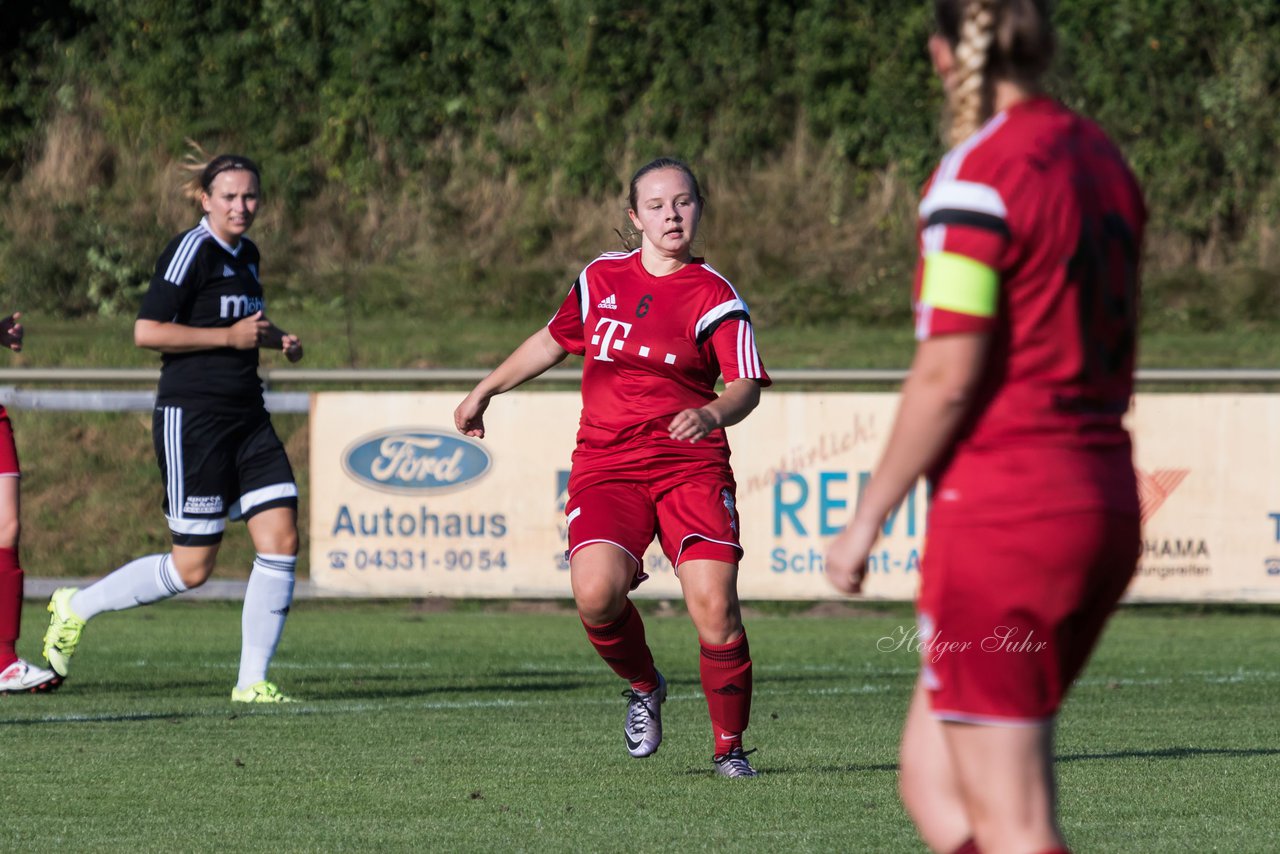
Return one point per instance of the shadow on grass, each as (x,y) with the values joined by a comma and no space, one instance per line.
(768,770)
(363,689)
(1171,753)
(360,690)
(1160,753)
(116,717)
(603,676)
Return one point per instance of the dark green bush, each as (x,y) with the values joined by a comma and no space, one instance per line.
(347,103)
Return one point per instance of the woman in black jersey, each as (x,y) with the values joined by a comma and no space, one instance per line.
(218,453)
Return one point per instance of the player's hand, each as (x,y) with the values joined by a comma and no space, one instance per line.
(469,416)
(292,347)
(11,332)
(249,333)
(846,563)
(690,425)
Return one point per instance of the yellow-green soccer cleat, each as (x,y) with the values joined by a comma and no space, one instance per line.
(259,692)
(63,635)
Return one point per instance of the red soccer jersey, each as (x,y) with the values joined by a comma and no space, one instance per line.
(652,346)
(1041,196)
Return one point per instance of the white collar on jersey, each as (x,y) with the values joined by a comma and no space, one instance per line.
(235,252)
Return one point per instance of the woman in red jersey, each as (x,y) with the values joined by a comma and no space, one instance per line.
(656,327)
(17,676)
(1026,303)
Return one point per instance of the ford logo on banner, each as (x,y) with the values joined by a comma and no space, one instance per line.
(415,460)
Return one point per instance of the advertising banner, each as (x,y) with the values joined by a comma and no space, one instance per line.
(403,505)
(1209,481)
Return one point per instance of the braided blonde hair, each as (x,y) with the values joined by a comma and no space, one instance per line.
(991,39)
(970,99)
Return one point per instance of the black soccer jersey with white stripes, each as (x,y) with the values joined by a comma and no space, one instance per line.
(201,282)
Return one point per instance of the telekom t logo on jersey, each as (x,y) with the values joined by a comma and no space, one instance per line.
(607,340)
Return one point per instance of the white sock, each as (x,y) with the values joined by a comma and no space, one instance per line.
(266,604)
(140,582)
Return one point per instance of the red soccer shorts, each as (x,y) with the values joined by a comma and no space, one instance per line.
(8,448)
(1008,614)
(693,519)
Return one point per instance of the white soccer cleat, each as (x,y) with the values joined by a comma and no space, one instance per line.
(643,729)
(734,764)
(24,678)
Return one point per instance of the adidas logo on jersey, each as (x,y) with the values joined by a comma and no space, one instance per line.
(611,301)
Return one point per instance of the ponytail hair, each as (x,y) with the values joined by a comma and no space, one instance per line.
(991,39)
(201,169)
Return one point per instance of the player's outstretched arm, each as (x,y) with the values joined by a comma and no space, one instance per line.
(937,394)
(245,334)
(538,353)
(11,332)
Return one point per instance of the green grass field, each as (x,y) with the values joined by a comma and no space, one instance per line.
(497,728)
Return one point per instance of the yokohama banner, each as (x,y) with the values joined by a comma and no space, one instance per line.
(402,505)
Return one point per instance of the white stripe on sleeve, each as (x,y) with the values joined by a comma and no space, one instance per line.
(716,313)
(748,356)
(180,264)
(963,196)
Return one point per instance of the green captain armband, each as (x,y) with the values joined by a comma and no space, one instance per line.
(955,283)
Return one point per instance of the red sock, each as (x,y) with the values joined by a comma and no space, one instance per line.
(726,680)
(622,646)
(10,605)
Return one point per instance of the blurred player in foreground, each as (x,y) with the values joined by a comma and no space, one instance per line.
(657,327)
(1026,302)
(16,675)
(218,453)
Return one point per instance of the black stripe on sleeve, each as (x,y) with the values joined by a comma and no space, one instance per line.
(576,290)
(711,328)
(969,219)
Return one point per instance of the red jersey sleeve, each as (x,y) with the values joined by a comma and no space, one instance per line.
(968,217)
(727,332)
(566,325)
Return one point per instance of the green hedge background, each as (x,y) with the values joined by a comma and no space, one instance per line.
(419,152)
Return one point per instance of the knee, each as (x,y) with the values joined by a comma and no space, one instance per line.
(10,530)
(717,617)
(599,604)
(280,541)
(286,542)
(719,632)
(913,780)
(194,570)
